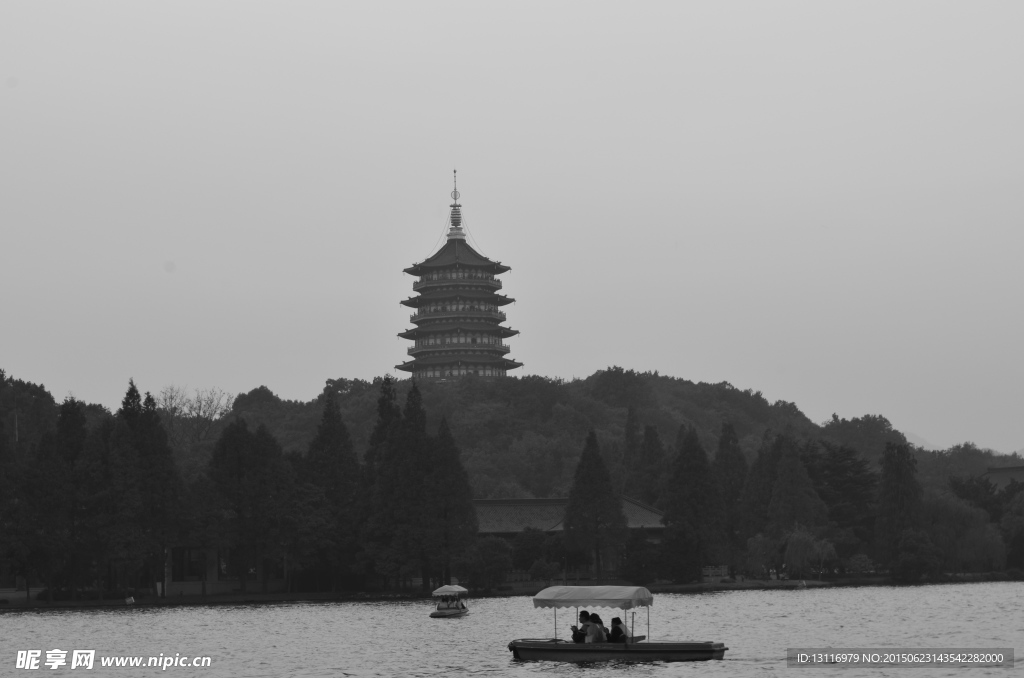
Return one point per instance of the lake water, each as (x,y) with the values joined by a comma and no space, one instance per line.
(398,639)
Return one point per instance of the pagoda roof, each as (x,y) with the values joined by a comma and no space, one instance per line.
(464,326)
(457,252)
(470,359)
(440,295)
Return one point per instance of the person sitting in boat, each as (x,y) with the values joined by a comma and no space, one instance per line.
(618,633)
(579,633)
(596,632)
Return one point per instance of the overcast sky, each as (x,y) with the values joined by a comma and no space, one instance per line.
(821,201)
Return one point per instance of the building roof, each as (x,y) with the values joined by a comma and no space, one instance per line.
(457,252)
(459,358)
(511,516)
(489,328)
(428,296)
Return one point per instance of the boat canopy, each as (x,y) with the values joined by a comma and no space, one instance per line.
(622,597)
(450,590)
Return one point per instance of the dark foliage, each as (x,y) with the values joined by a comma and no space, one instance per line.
(594,522)
(694,524)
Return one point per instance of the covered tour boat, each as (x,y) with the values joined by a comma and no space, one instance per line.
(450,602)
(635,649)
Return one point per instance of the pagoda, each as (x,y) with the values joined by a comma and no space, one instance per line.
(458,322)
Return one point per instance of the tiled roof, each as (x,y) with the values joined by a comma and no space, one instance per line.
(510,516)
(457,251)
(464,326)
(427,296)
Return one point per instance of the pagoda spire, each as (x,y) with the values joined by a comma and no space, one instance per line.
(456,232)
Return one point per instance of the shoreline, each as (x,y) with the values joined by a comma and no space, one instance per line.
(12,604)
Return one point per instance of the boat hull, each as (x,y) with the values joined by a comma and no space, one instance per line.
(565,651)
(441,614)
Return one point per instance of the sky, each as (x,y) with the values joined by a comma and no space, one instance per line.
(819,201)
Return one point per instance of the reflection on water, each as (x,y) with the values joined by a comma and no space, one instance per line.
(398,638)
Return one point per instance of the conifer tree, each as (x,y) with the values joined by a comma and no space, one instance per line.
(594,521)
(845,482)
(160,483)
(450,503)
(693,512)
(794,500)
(649,462)
(249,471)
(388,416)
(400,524)
(332,467)
(630,452)
(730,470)
(899,500)
(757,490)
(375,537)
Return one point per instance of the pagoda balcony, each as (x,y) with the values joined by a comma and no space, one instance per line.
(434,315)
(413,350)
(489,281)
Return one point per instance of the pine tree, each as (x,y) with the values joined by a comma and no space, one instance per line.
(331,466)
(594,521)
(630,453)
(899,500)
(757,490)
(730,469)
(794,501)
(449,504)
(400,525)
(160,483)
(374,535)
(848,486)
(250,473)
(693,512)
(650,461)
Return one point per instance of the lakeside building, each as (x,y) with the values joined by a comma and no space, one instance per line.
(458,322)
(507,518)
(212,571)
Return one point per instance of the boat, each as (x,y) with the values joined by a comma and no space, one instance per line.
(636,649)
(451,602)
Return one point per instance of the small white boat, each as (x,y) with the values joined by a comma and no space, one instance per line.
(632,650)
(450,602)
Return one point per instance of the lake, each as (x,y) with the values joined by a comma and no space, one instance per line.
(398,638)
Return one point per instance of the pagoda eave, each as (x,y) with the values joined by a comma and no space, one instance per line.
(427,330)
(440,295)
(460,359)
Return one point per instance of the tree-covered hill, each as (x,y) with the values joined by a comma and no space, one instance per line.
(522,437)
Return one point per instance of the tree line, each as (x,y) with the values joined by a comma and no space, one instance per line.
(94,501)
(97,503)
(810,506)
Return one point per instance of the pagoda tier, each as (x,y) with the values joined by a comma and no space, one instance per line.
(458,325)
(435,296)
(431,329)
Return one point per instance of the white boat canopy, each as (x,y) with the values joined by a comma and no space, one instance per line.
(450,590)
(621,597)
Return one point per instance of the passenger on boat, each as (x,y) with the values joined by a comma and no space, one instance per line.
(618,634)
(579,633)
(596,632)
